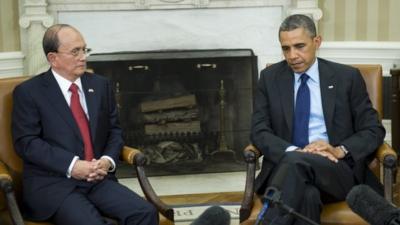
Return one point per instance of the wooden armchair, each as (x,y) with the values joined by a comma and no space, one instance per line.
(11,166)
(336,213)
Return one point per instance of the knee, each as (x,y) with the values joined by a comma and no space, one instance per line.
(146,215)
(297,160)
(312,194)
(150,210)
(291,157)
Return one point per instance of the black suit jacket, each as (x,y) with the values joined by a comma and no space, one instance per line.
(47,137)
(349,117)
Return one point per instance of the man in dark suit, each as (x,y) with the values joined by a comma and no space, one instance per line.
(66,130)
(314,118)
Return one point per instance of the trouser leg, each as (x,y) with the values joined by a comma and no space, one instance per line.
(117,201)
(304,169)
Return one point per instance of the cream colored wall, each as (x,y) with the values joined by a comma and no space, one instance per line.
(360,20)
(9,28)
(343,20)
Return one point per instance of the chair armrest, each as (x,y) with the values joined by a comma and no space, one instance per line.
(6,185)
(251,154)
(388,158)
(4,174)
(254,150)
(136,158)
(128,154)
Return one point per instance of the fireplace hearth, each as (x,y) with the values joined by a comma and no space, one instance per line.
(189,111)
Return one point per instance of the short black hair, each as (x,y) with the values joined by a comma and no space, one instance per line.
(299,21)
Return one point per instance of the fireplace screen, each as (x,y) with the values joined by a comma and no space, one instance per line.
(188,111)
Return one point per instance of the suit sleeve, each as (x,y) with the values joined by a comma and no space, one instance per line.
(368,131)
(262,133)
(114,137)
(27,131)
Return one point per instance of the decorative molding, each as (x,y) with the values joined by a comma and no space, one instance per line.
(34,21)
(385,53)
(11,64)
(104,5)
(37,15)
(35,11)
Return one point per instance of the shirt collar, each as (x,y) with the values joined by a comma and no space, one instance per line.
(64,83)
(312,72)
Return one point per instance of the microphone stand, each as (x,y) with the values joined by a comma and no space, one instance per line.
(276,200)
(261,215)
(271,195)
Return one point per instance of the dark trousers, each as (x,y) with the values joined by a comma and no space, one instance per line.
(311,180)
(88,202)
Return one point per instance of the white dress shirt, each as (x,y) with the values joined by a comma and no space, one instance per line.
(316,126)
(64,85)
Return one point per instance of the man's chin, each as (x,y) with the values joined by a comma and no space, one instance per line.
(80,71)
(298,68)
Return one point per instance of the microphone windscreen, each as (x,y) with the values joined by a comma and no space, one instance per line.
(370,205)
(214,215)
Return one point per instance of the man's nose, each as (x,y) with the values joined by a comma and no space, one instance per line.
(292,54)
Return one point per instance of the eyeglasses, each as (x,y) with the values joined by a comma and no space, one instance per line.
(77,51)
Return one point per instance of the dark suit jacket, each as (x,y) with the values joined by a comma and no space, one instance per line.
(47,137)
(349,117)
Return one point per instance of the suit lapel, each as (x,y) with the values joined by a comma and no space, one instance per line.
(91,95)
(328,88)
(53,93)
(286,89)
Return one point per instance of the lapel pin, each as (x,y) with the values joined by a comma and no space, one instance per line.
(330,86)
(90,90)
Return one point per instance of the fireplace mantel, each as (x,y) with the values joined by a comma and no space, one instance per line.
(259,15)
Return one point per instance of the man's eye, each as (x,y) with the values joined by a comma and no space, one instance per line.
(75,51)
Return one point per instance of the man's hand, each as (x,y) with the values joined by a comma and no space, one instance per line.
(82,169)
(325,149)
(100,170)
(90,171)
(322,153)
(104,164)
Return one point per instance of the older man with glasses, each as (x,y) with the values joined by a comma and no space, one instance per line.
(66,130)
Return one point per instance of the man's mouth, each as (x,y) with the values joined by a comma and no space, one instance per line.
(296,64)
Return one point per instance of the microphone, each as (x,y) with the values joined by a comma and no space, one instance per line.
(273,194)
(372,207)
(214,215)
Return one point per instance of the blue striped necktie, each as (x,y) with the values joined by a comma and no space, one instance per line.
(302,114)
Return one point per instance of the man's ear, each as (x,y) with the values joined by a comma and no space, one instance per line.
(51,58)
(318,40)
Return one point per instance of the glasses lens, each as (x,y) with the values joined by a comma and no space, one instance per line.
(87,51)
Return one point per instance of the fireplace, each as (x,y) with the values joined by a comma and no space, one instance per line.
(188,111)
(139,78)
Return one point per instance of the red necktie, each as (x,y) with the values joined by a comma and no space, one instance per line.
(81,121)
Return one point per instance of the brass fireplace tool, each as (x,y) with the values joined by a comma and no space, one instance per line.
(222,153)
(118,97)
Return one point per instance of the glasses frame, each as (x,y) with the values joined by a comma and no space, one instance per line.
(77,52)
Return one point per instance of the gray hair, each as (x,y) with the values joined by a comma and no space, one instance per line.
(299,21)
(50,40)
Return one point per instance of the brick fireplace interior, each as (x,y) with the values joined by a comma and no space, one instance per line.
(189,111)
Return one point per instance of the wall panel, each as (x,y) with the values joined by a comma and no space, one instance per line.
(360,20)
(9,28)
